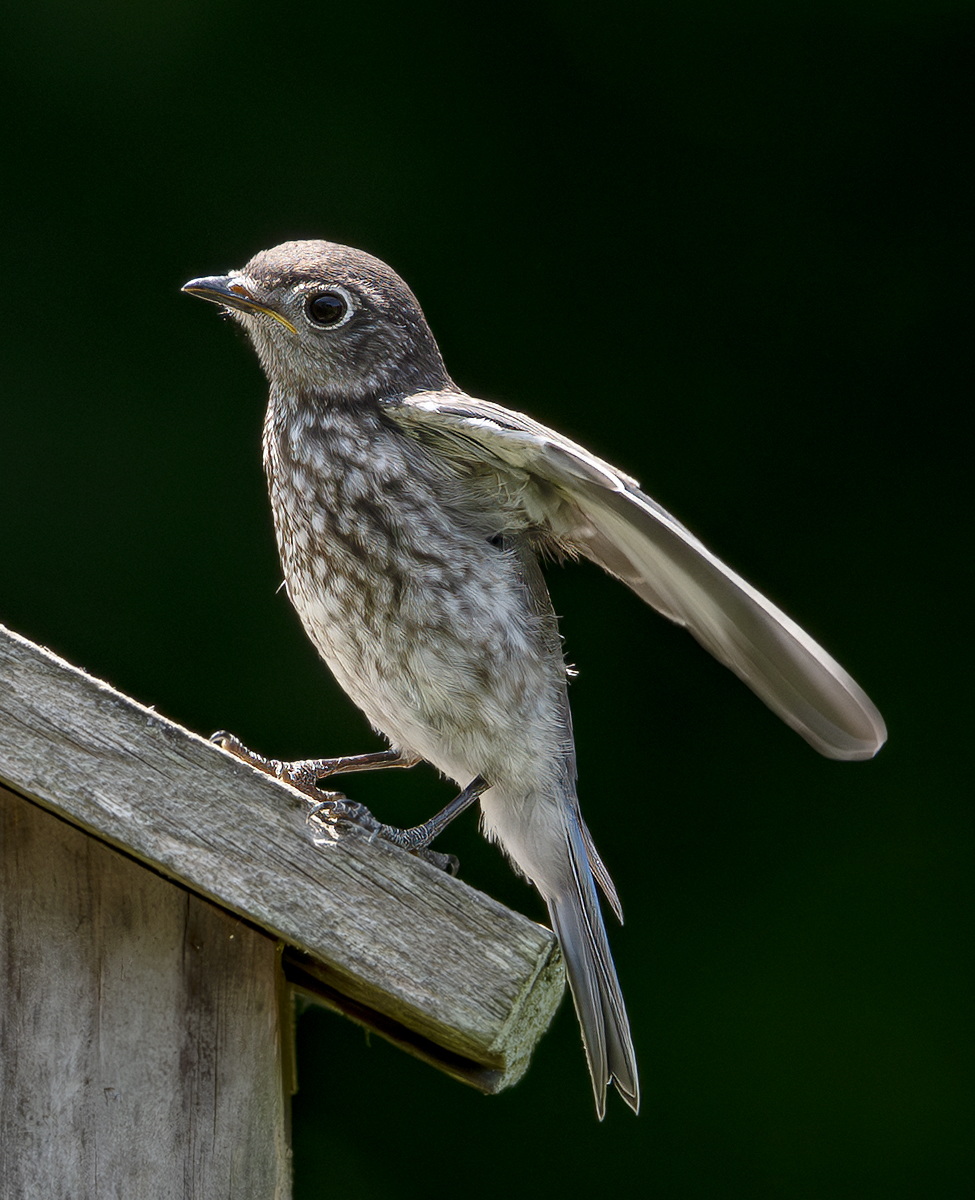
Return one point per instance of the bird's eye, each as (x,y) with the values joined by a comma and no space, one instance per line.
(326,308)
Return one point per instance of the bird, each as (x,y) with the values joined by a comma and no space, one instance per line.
(411,520)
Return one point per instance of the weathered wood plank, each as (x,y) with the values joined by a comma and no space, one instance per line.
(448,971)
(140,1039)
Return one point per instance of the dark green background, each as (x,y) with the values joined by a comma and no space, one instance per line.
(726,247)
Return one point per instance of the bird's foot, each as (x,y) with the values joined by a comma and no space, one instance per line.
(418,838)
(333,812)
(305,773)
(338,815)
(295,773)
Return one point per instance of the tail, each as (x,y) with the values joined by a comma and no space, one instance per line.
(592,978)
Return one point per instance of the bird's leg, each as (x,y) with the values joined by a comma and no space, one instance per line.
(305,773)
(419,837)
(335,809)
(416,840)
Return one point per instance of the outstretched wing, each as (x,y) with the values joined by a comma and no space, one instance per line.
(603,514)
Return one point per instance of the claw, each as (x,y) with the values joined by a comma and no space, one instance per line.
(334,813)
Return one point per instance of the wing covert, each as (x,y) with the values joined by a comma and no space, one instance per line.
(602,513)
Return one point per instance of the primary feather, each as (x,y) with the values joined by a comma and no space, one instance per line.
(601,513)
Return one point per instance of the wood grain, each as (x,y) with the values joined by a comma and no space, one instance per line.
(426,960)
(140,1029)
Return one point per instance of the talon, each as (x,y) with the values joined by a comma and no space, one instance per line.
(333,810)
(336,804)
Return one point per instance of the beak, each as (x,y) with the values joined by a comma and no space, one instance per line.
(232,292)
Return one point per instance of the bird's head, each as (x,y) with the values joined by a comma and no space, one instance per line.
(330,321)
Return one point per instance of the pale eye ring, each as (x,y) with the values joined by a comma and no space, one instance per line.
(326,308)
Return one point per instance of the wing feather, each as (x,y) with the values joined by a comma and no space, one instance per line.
(602,513)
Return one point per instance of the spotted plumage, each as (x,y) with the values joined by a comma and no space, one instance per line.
(410,520)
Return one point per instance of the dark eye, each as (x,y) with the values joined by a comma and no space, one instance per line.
(326,308)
